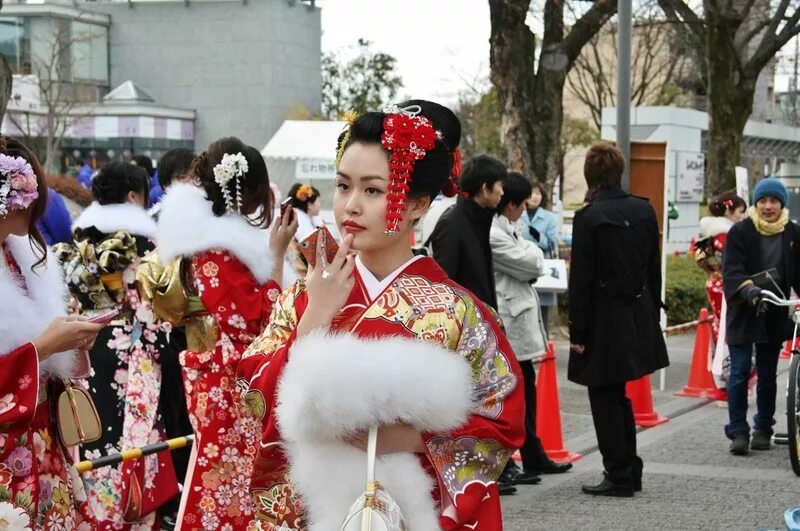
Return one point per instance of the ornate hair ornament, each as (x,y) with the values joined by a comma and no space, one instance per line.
(728,203)
(407,136)
(304,193)
(18,185)
(231,167)
(349,117)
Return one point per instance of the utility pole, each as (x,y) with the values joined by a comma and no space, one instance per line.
(624,20)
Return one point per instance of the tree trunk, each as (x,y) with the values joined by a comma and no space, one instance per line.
(50,144)
(6,81)
(548,116)
(512,59)
(730,102)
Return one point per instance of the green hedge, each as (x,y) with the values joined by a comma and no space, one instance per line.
(686,289)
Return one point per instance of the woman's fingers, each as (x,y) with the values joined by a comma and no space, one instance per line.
(341,254)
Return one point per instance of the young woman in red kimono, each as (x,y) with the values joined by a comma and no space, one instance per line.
(384,338)
(211,231)
(726,210)
(39,488)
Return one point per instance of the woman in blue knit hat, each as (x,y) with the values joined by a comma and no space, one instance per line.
(766,239)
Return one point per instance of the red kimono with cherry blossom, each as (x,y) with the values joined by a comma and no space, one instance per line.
(229,266)
(415,348)
(39,488)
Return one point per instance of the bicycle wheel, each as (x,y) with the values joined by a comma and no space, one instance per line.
(793,412)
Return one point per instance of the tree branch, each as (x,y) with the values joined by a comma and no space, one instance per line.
(678,12)
(586,27)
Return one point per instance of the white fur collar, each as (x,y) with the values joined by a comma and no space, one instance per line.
(23,317)
(387,380)
(118,217)
(714,225)
(187,226)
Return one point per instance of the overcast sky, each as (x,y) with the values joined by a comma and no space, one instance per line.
(435,63)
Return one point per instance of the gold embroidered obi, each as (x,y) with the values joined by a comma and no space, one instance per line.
(164,287)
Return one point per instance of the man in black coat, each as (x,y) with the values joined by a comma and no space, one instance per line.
(460,241)
(614,309)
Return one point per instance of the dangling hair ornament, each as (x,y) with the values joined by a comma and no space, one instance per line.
(407,136)
(18,185)
(231,167)
(450,188)
(349,117)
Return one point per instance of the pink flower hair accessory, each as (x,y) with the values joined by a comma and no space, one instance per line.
(18,184)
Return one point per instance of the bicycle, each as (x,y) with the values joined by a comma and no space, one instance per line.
(792,438)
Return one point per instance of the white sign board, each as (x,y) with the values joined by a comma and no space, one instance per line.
(25,94)
(742,187)
(554,279)
(310,169)
(691,177)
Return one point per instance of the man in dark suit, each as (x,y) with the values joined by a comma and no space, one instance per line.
(614,309)
(460,241)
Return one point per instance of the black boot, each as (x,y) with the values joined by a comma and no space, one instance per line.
(740,445)
(609,488)
(551,467)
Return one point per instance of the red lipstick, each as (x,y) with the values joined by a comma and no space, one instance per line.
(352,227)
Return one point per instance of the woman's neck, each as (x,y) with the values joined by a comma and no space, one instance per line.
(382,262)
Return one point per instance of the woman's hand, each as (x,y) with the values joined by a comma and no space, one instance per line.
(67,333)
(282,232)
(392,438)
(327,286)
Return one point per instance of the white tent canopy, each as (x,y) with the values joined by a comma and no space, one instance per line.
(304,151)
(304,139)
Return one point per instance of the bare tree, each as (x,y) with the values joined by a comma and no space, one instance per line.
(657,62)
(5,82)
(739,39)
(63,102)
(531,91)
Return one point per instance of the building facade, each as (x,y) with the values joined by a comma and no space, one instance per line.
(237,67)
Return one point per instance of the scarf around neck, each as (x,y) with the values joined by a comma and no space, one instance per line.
(768,228)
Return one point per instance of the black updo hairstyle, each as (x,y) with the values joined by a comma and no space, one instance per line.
(114,180)
(256,194)
(717,206)
(432,172)
(299,203)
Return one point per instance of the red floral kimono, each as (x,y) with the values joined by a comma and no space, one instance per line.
(415,348)
(709,257)
(39,488)
(231,297)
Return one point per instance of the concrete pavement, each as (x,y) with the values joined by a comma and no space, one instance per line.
(690,479)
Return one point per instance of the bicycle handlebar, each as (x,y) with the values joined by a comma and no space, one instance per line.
(768,296)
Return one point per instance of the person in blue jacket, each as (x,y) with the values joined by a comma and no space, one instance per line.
(56,224)
(84,175)
(540,226)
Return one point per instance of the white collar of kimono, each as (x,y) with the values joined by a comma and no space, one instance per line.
(374,286)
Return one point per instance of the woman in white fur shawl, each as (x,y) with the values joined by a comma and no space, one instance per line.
(383,338)
(726,209)
(110,238)
(39,346)
(211,232)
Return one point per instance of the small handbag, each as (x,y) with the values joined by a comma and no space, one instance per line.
(77,418)
(374,510)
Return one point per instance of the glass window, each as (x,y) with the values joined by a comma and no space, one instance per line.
(89,52)
(12,30)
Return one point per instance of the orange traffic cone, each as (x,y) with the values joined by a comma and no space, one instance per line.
(701,383)
(786,353)
(691,247)
(639,393)
(548,410)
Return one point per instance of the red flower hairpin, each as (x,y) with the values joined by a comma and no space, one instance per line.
(407,136)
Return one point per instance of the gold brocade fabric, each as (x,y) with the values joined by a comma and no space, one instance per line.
(163,286)
(93,269)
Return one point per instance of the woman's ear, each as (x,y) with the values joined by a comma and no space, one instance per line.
(417,207)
